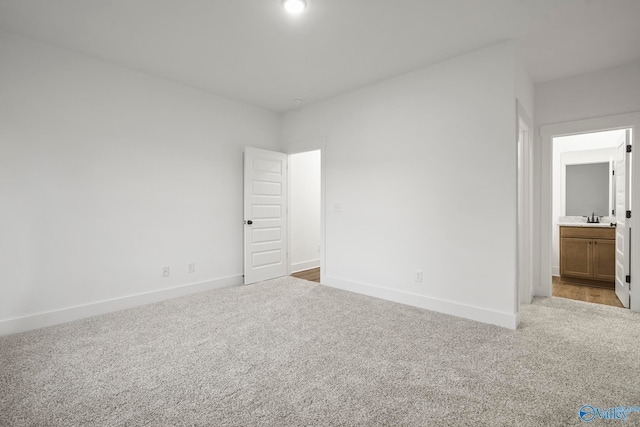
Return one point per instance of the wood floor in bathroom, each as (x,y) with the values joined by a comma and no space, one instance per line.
(584,293)
(312,275)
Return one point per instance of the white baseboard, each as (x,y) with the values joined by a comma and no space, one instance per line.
(306,265)
(50,318)
(506,320)
(555,270)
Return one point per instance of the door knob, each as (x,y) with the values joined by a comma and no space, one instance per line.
(249,222)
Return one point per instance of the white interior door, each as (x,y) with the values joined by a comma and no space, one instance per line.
(265,215)
(623,224)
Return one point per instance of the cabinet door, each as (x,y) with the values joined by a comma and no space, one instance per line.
(575,257)
(604,260)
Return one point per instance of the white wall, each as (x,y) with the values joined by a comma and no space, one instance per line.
(586,148)
(304,212)
(597,94)
(609,92)
(106,176)
(525,90)
(422,167)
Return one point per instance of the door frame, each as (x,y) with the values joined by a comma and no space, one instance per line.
(547,133)
(303,147)
(524,268)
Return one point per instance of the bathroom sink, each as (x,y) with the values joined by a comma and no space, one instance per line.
(581,221)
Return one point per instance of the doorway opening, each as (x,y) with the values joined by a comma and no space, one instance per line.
(305,202)
(590,235)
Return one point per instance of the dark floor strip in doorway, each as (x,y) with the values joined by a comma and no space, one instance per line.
(312,275)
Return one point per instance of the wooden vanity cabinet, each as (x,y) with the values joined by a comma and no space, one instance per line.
(588,253)
(604,259)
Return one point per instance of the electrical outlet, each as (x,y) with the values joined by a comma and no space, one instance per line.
(418,277)
(191,267)
(165,271)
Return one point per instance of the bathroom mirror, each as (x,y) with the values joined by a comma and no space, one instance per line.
(588,189)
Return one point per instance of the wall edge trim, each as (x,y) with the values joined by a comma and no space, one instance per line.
(465,311)
(69,314)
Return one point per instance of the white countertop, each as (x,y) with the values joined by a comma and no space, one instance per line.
(585,224)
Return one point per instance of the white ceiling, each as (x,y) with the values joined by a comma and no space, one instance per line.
(252,51)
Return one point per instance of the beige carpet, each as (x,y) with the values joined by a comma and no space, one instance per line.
(291,352)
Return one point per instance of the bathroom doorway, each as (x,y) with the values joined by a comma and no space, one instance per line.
(585,239)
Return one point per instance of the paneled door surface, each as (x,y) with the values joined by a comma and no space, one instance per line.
(623,224)
(265,215)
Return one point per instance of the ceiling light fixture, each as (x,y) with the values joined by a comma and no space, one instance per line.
(294,6)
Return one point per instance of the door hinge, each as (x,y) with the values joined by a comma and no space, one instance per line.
(613,212)
(628,214)
(628,150)
(628,278)
(613,172)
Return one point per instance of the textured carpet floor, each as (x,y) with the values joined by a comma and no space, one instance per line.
(292,352)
